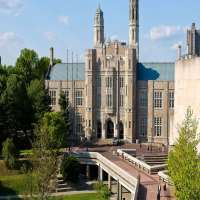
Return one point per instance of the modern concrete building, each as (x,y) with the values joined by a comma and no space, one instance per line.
(112,94)
(187,82)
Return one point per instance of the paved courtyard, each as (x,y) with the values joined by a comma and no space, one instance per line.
(148,183)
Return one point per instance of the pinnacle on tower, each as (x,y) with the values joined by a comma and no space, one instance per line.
(98,27)
(134,25)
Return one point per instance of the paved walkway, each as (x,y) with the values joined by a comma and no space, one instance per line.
(148,183)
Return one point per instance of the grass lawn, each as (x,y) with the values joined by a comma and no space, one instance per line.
(79,197)
(26,152)
(13,184)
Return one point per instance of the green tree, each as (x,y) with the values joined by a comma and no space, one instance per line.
(102,191)
(64,110)
(9,153)
(27,64)
(16,105)
(48,139)
(70,169)
(39,98)
(43,65)
(184,161)
(63,102)
(54,124)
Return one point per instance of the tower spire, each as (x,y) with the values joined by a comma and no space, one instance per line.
(134,25)
(98,27)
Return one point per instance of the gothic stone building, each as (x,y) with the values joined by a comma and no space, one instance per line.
(114,95)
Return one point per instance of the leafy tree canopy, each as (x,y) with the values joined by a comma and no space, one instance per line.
(54,125)
(184,161)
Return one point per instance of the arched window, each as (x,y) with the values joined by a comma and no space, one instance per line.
(109,129)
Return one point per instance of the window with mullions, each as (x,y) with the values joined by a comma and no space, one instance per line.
(143,127)
(79,97)
(143,98)
(79,121)
(158,126)
(66,93)
(121,82)
(109,100)
(171,99)
(109,82)
(157,99)
(52,94)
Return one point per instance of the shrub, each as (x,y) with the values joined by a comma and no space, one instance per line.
(9,153)
(70,169)
(102,191)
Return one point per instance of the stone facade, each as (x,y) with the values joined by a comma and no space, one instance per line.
(116,101)
(110,72)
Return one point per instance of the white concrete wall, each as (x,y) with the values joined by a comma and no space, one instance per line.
(187,92)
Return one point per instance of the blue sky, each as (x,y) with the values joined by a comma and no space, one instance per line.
(40,24)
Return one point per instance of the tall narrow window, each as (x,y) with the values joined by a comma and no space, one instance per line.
(89,64)
(66,93)
(157,99)
(121,82)
(121,100)
(143,127)
(79,97)
(158,126)
(52,94)
(143,98)
(133,34)
(109,93)
(133,14)
(171,99)
(79,121)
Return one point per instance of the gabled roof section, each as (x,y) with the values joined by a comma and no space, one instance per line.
(156,71)
(67,71)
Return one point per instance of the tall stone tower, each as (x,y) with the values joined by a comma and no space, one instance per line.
(134,25)
(110,83)
(98,28)
(193,41)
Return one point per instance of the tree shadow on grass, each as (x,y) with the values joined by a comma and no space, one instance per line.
(7,192)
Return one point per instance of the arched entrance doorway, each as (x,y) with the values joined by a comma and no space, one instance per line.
(99,130)
(109,129)
(121,130)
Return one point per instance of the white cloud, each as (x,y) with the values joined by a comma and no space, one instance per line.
(64,19)
(50,36)
(163,32)
(8,39)
(11,6)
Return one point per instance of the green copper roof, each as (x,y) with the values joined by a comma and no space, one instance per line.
(156,71)
(64,71)
(145,71)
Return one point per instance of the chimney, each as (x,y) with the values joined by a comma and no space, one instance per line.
(179,53)
(51,56)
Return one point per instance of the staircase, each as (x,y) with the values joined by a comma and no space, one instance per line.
(155,159)
(61,186)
